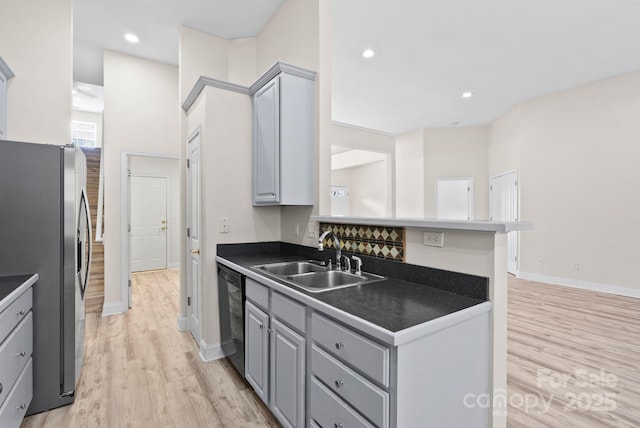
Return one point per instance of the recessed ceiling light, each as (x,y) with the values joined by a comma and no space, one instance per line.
(131,38)
(368,53)
(467,94)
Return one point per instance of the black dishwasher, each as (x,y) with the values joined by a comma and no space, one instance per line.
(231,297)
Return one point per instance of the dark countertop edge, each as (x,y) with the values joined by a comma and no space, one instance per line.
(391,338)
(17,292)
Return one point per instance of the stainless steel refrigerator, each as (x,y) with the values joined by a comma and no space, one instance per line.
(45,228)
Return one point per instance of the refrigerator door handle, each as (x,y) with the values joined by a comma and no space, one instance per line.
(84,202)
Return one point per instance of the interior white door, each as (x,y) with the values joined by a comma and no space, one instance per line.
(454,198)
(194,270)
(503,190)
(148,223)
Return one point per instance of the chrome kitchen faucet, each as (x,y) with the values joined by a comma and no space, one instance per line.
(336,242)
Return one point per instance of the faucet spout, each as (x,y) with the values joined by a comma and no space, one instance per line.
(336,243)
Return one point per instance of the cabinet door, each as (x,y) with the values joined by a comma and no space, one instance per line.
(256,356)
(287,375)
(266,146)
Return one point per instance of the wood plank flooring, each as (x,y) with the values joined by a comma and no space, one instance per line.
(140,371)
(94,297)
(577,350)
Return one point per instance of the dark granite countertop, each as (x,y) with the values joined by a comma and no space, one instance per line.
(9,284)
(392,304)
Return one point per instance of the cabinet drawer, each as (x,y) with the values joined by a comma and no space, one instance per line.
(287,310)
(257,293)
(14,354)
(363,354)
(329,411)
(12,315)
(367,398)
(15,406)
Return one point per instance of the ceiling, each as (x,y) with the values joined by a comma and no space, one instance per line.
(101,24)
(427,52)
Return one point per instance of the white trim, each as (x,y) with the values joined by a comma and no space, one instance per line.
(581,284)
(210,352)
(182,323)
(277,68)
(113,308)
(203,81)
(362,128)
(125,267)
(173,266)
(5,70)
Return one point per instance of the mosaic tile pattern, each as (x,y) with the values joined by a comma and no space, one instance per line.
(375,241)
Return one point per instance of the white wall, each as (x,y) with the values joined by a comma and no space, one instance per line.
(36,44)
(578,154)
(457,152)
(369,188)
(410,182)
(140,115)
(157,167)
(87,116)
(225,116)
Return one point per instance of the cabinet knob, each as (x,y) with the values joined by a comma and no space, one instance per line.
(22,406)
(261,325)
(1,387)
(339,383)
(339,345)
(338,425)
(21,313)
(21,354)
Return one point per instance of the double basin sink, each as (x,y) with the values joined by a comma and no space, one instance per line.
(314,277)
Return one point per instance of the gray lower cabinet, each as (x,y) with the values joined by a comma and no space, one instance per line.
(353,380)
(257,350)
(16,348)
(287,375)
(275,353)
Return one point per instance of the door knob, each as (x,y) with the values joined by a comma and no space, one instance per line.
(195,251)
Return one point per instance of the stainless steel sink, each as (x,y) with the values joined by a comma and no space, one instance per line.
(292,268)
(314,278)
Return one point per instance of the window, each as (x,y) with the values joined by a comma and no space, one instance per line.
(83,133)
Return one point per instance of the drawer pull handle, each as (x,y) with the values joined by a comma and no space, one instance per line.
(339,383)
(338,425)
(21,313)
(21,354)
(22,406)
(339,345)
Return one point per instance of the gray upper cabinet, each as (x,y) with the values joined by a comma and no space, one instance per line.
(283,137)
(5,75)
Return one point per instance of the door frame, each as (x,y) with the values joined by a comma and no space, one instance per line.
(125,213)
(187,239)
(518,216)
(167,194)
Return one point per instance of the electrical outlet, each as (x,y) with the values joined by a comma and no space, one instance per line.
(312,229)
(433,239)
(224,225)
(575,266)
(540,261)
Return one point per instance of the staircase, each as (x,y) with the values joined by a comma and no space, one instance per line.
(94,297)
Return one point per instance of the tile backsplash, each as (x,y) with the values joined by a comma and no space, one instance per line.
(375,241)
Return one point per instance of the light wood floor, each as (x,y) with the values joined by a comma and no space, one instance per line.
(587,336)
(140,371)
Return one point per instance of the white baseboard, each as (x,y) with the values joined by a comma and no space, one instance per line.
(182,323)
(113,308)
(583,285)
(210,352)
